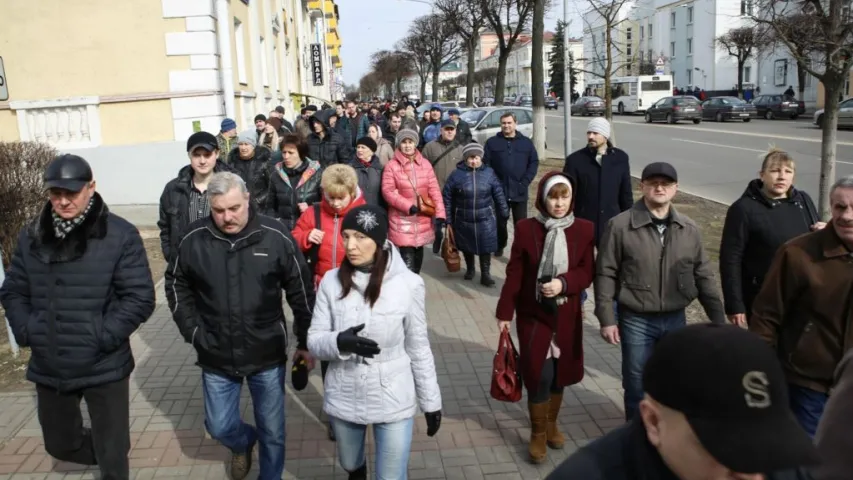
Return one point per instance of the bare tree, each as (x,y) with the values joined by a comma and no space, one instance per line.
(802,29)
(608,13)
(508,19)
(742,44)
(391,67)
(537,73)
(369,85)
(441,42)
(418,53)
(828,57)
(468,20)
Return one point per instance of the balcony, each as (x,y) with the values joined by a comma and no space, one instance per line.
(62,123)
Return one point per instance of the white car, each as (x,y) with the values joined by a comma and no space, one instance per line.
(845,114)
(485,122)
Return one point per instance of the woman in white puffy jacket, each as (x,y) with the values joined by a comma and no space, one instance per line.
(370,323)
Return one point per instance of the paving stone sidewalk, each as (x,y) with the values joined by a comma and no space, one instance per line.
(479,438)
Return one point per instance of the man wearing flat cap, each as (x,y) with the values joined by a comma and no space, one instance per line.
(77,288)
(652,263)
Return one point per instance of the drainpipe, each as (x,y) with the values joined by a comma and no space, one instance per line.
(226,70)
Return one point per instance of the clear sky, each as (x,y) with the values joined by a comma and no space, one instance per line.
(367,26)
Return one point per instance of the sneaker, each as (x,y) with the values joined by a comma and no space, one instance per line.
(241,463)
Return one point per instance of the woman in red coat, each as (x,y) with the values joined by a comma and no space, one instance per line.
(551,264)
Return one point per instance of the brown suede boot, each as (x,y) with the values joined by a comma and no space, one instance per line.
(538,422)
(555,438)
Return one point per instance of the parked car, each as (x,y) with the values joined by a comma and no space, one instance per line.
(587,106)
(721,109)
(444,107)
(485,122)
(674,109)
(551,103)
(845,115)
(524,101)
(773,106)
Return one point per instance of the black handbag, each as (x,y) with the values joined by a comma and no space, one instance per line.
(313,253)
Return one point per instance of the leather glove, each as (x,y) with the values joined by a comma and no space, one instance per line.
(350,342)
(413,209)
(433,420)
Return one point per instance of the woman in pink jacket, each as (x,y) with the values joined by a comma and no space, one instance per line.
(407,175)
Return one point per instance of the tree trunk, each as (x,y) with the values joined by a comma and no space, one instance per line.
(740,76)
(801,80)
(537,73)
(833,84)
(472,70)
(500,80)
(423,87)
(435,72)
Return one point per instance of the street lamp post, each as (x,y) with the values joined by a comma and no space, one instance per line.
(567,81)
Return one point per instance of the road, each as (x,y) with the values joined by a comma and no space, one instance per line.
(713,160)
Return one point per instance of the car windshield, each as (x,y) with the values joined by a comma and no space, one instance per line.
(473,116)
(593,99)
(732,101)
(685,101)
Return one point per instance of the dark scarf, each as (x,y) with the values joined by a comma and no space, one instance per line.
(62,227)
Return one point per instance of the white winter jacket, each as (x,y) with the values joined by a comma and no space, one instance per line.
(385,388)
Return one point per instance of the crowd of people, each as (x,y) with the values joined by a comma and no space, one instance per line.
(332,213)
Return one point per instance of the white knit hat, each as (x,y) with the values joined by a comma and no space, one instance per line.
(599,125)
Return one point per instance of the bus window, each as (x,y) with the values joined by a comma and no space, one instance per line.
(656,86)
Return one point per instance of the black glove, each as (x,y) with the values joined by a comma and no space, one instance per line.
(433,420)
(350,342)
(413,209)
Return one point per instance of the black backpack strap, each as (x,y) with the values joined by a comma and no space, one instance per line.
(317,216)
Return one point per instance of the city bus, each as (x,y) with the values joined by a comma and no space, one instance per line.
(634,94)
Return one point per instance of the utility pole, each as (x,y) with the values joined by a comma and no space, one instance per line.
(567,81)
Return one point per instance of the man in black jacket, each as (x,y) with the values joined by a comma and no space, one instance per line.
(184,199)
(224,288)
(324,143)
(716,408)
(77,288)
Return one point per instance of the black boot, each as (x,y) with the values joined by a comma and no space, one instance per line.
(470,269)
(360,474)
(485,268)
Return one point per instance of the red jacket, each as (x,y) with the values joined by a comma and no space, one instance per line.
(535,326)
(398,178)
(332,251)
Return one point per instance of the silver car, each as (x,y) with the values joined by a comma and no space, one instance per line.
(485,122)
(845,115)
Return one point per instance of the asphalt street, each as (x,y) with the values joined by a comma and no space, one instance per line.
(713,160)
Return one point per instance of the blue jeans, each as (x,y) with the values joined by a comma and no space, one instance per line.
(807,405)
(639,333)
(393,442)
(222,416)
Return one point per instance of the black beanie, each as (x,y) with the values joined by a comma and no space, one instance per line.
(367,142)
(370,220)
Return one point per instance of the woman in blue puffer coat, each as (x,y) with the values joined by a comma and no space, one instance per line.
(473,199)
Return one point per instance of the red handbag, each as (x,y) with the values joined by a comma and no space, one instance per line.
(506,381)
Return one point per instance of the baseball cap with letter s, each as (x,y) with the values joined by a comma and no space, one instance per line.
(730,386)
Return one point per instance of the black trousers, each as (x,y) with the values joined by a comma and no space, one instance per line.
(106,444)
(541,392)
(519,212)
(414,257)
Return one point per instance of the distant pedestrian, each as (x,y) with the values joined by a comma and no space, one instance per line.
(226,138)
(463,130)
(370,324)
(77,288)
(803,307)
(714,407)
(514,159)
(769,213)
(324,143)
(252,162)
(384,149)
(550,265)
(443,153)
(224,287)
(653,264)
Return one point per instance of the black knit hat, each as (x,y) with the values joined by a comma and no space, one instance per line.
(370,220)
(367,142)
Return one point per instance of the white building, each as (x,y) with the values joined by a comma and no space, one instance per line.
(594,53)
(519,77)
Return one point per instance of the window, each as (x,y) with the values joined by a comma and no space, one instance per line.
(672,49)
(642,30)
(746,7)
(241,51)
(265,74)
(690,46)
(628,33)
(672,20)
(655,86)
(628,50)
(689,77)
(651,55)
(689,15)
(651,31)
(747,74)
(275,66)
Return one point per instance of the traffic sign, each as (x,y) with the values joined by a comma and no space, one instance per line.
(660,62)
(4,87)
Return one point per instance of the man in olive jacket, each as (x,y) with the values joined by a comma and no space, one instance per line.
(804,307)
(652,263)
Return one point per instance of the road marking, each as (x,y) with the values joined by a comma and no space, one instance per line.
(718,145)
(717,130)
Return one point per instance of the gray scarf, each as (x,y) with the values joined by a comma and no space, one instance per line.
(62,227)
(555,253)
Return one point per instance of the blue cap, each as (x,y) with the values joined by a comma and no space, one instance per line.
(453,111)
(435,106)
(448,123)
(228,124)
